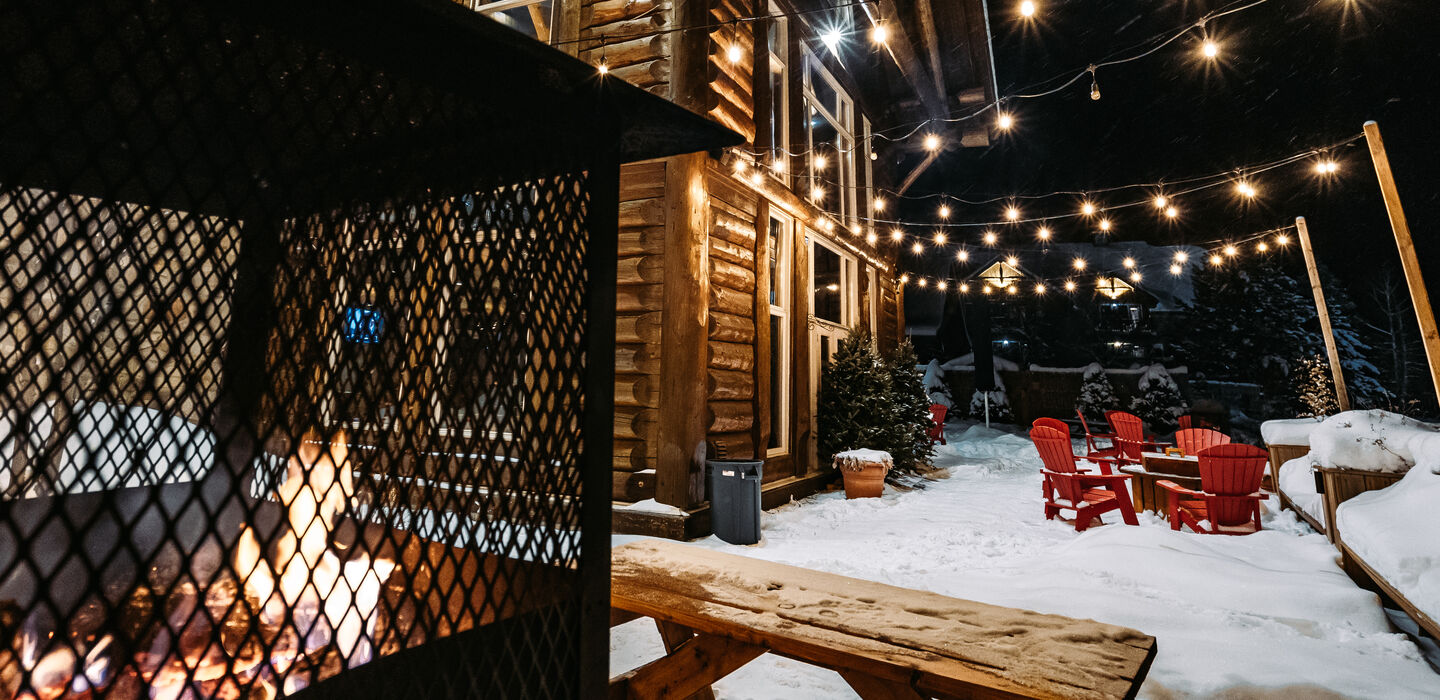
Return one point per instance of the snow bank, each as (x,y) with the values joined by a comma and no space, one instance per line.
(1395,529)
(1289,431)
(968,362)
(1297,482)
(1372,440)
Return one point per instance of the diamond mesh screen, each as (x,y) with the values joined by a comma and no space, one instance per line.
(293,362)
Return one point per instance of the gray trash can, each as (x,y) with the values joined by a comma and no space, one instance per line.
(734,486)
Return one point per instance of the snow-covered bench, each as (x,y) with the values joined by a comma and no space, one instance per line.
(717,611)
(1288,439)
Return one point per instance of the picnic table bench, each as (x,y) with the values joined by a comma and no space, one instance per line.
(716,612)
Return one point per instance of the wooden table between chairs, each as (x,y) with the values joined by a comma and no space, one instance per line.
(1156,467)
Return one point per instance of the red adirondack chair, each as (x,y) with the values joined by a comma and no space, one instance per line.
(1055,423)
(1193,421)
(1093,451)
(1230,500)
(1068,487)
(1130,436)
(937,423)
(1193,440)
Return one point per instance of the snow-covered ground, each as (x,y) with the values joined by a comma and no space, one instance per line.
(1264,615)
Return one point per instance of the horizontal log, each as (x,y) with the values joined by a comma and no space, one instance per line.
(645,269)
(733,9)
(638,358)
(642,212)
(625,53)
(733,117)
(632,298)
(632,486)
(735,356)
(732,80)
(727,385)
(638,328)
(635,390)
(642,180)
(642,241)
(731,275)
(645,74)
(634,423)
(731,416)
(732,252)
(631,455)
(731,328)
(734,445)
(723,40)
(731,301)
(627,26)
(606,11)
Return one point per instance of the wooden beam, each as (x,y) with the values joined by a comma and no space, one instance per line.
(542,27)
(915,174)
(503,5)
(689,669)
(926,15)
(914,72)
(869,687)
(1331,352)
(1418,296)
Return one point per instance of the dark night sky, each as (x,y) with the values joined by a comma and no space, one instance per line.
(1293,74)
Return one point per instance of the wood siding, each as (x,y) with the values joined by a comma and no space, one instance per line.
(730,381)
(638,326)
(631,37)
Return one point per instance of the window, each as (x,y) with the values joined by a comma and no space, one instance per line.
(830,140)
(867,188)
(777,39)
(833,282)
(780,235)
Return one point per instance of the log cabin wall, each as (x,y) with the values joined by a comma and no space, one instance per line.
(730,384)
(629,35)
(638,327)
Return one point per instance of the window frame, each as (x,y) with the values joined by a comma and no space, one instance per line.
(781,378)
(841,117)
(849,285)
(779,100)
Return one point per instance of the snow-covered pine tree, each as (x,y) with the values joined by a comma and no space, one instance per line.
(855,397)
(908,417)
(935,385)
(1159,403)
(1315,388)
(999,403)
(1097,394)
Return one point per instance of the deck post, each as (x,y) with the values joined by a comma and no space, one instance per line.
(1342,396)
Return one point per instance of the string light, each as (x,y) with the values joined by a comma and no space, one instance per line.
(1231,251)
(1078,263)
(1012,213)
(962,255)
(734,53)
(1005,121)
(1094,84)
(986,289)
(880,34)
(922,282)
(879,204)
(1175,270)
(917,248)
(1327,167)
(1210,48)
(1128,263)
(1246,189)
(1262,246)
(932,142)
(1135,276)
(603,68)
(941,285)
(896,234)
(991,238)
(757,178)
(1161,201)
(778,166)
(1181,256)
(1039,288)
(1069,285)
(1105,225)
(1088,208)
(1282,239)
(1172,212)
(940,238)
(1043,233)
(964,288)
(871,238)
(944,211)
(1027,8)
(817,194)
(1012,261)
(831,40)
(904,278)
(1216,260)
(820,162)
(1011,289)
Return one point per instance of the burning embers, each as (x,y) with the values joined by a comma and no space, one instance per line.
(279,619)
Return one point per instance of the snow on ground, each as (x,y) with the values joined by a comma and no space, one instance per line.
(1297,482)
(1269,614)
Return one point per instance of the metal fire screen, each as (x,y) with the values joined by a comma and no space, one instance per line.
(293,361)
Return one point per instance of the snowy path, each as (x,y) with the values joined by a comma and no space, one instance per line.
(1266,615)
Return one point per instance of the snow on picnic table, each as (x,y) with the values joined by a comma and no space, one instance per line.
(1234,616)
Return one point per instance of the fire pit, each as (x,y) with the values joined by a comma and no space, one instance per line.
(306,356)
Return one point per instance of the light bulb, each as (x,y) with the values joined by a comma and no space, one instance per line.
(1282,239)
(922,281)
(941,285)
(1069,285)
(820,162)
(740,166)
(1161,201)
(895,234)
(1078,263)
(1039,288)
(1105,224)
(963,255)
(1005,121)
(1174,269)
(939,238)
(990,238)
(1245,189)
(1262,246)
(1043,233)
(1128,263)
(757,178)
(1135,277)
(1088,209)
(1181,256)
(917,248)
(986,289)
(879,204)
(1326,167)
(1231,251)
(944,211)
(1012,261)
(778,166)
(1094,88)
(1011,289)
(932,142)
(1172,212)
(831,39)
(964,288)
(1210,48)
(1027,8)
(603,68)
(1216,260)
(879,34)
(817,194)
(733,53)
(1012,213)
(871,238)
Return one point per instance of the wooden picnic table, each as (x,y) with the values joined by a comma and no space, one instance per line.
(716,612)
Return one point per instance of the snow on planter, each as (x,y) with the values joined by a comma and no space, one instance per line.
(1395,530)
(1368,440)
(856,460)
(1289,431)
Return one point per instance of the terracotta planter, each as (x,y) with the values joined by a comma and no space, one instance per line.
(869,482)
(864,472)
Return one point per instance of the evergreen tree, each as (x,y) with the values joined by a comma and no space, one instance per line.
(1160,403)
(1315,388)
(1097,394)
(855,396)
(908,413)
(999,403)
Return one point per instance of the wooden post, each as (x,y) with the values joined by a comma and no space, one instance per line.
(1418,296)
(1341,394)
